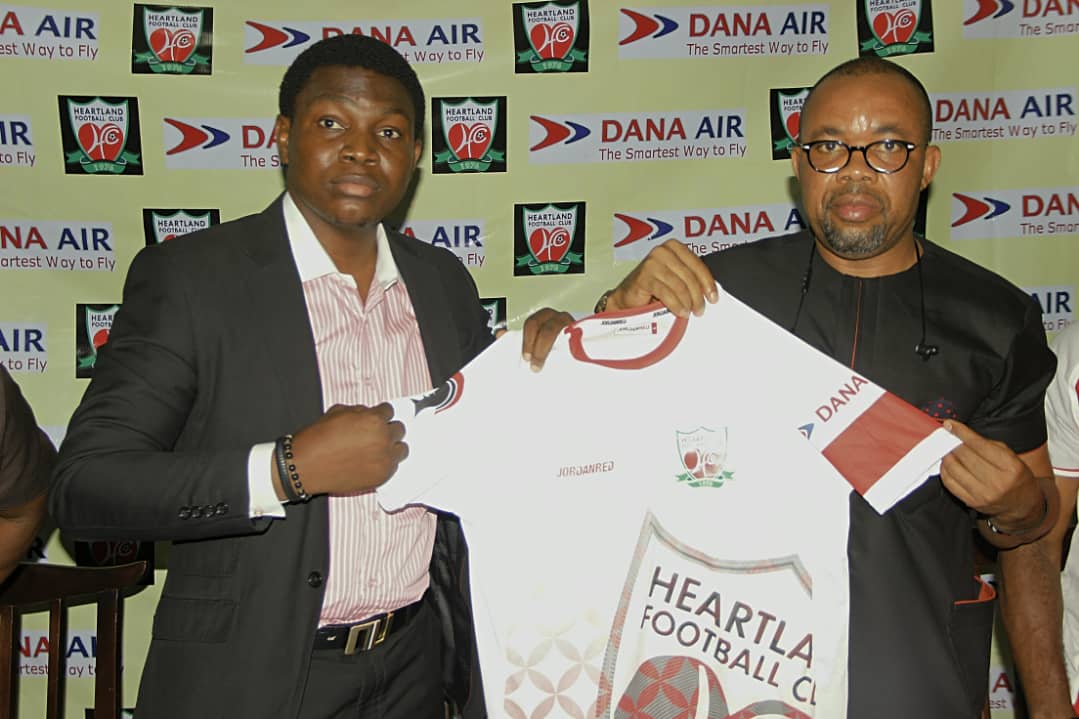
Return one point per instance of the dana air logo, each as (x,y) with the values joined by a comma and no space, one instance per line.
(100,135)
(160,225)
(703,452)
(1057,303)
(79,650)
(463,238)
(442,397)
(45,34)
(469,134)
(894,27)
(24,346)
(702,230)
(1028,212)
(786,118)
(549,239)
(551,36)
(225,143)
(172,41)
(92,326)
(1020,18)
(17,141)
(1006,115)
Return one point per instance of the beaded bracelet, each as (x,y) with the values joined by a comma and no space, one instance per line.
(286,471)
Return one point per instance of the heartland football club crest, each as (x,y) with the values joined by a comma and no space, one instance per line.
(551,36)
(894,27)
(161,225)
(92,326)
(168,41)
(551,237)
(703,452)
(663,656)
(786,117)
(496,312)
(469,134)
(115,553)
(101,135)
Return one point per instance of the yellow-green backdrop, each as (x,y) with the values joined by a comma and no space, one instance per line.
(1002,75)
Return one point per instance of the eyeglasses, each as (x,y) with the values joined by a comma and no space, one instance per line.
(883,156)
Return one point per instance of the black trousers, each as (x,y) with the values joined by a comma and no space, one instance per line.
(398,679)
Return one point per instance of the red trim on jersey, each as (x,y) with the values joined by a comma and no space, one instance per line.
(660,352)
(873,443)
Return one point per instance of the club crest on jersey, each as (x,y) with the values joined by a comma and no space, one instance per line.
(100,133)
(692,630)
(442,397)
(469,130)
(550,234)
(786,119)
(551,36)
(703,452)
(895,27)
(172,37)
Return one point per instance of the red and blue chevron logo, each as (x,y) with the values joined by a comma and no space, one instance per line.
(990,8)
(555,132)
(974,209)
(204,137)
(272,37)
(638,229)
(653,26)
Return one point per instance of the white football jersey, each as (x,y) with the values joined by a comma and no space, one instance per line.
(657,522)
(1062,422)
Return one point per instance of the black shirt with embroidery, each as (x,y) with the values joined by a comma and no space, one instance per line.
(919,639)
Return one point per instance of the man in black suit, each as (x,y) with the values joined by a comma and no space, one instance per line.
(236,412)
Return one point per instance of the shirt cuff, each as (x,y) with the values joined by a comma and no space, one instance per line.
(262,499)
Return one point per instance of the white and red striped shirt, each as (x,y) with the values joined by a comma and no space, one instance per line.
(368,352)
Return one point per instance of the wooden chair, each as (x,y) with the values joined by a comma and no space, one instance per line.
(35,587)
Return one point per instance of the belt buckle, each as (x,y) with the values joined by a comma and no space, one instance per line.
(373,636)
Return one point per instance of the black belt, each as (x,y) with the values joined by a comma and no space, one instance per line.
(368,634)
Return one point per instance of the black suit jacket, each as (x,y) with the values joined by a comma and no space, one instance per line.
(211,353)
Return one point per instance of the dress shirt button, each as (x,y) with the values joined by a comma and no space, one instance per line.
(185,512)
(314,580)
(221,508)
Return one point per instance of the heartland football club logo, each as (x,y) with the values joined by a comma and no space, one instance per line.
(442,397)
(786,118)
(100,135)
(551,36)
(549,239)
(668,650)
(496,312)
(469,134)
(92,326)
(167,41)
(894,27)
(115,553)
(703,452)
(161,225)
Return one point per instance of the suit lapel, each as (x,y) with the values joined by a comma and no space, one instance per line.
(277,312)
(432,311)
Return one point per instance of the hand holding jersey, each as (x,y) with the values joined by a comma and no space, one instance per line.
(349,449)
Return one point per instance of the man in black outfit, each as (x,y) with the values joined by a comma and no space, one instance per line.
(944,334)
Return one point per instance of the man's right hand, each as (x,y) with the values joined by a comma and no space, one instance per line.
(349,449)
(671,274)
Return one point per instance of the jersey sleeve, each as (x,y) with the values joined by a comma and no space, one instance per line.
(883,446)
(1062,405)
(443,431)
